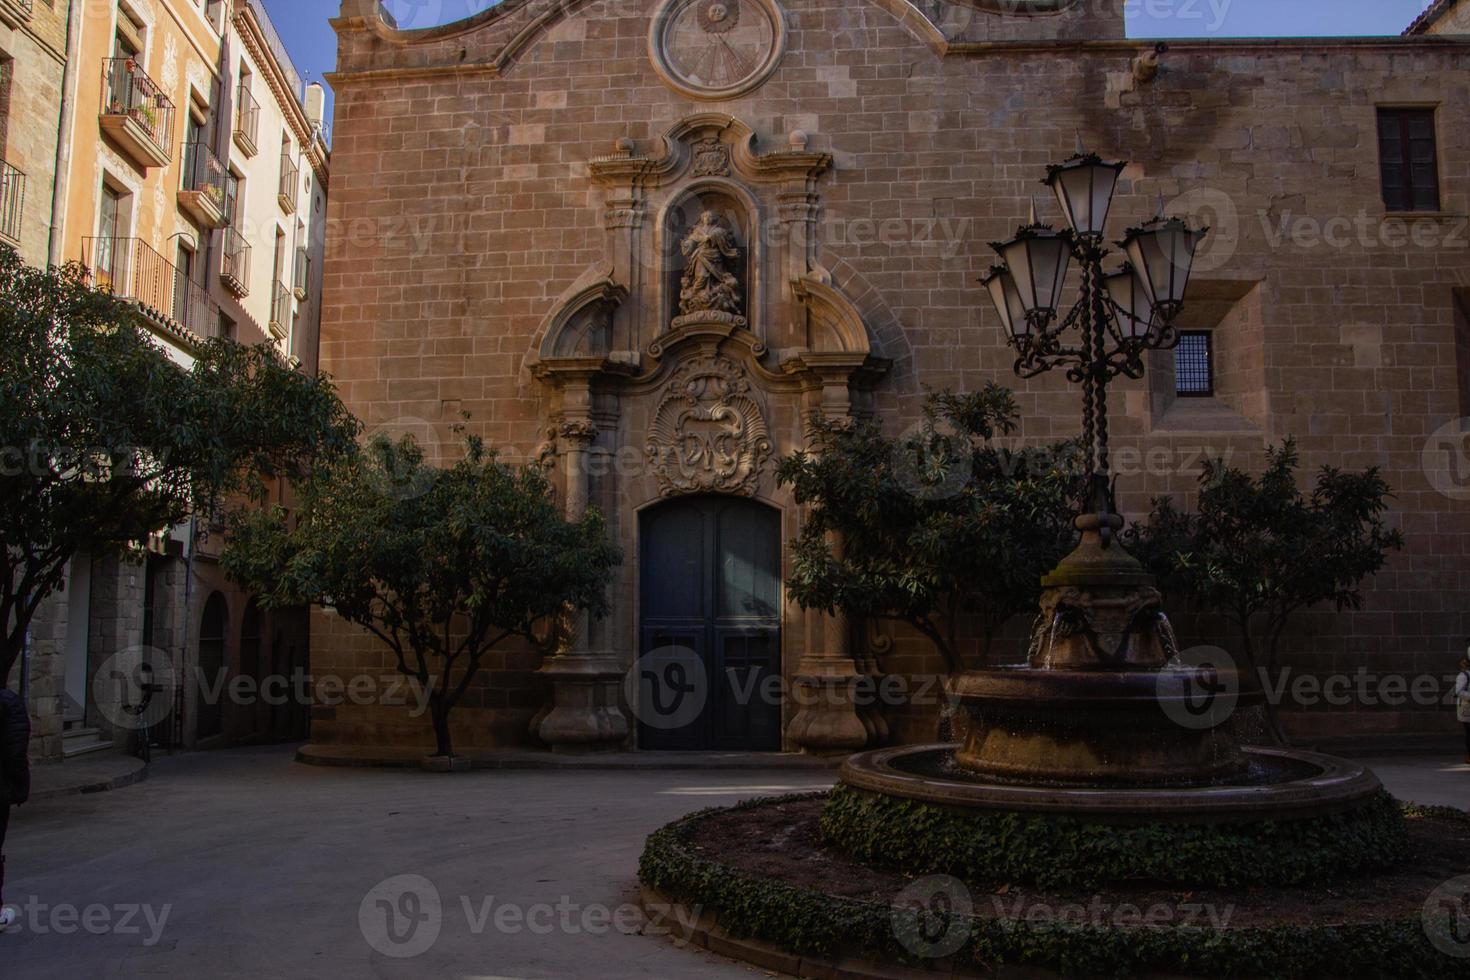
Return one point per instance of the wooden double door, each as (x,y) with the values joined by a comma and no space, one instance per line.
(710,628)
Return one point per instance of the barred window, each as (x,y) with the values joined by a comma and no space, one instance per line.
(1409,159)
(1194,367)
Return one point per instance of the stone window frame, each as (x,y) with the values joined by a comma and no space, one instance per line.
(1403,112)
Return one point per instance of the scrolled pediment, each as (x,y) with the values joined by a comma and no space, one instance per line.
(709,144)
(579,324)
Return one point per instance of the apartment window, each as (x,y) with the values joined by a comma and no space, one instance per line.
(234,193)
(193,144)
(1409,159)
(7,73)
(111,251)
(183,280)
(226,327)
(1194,365)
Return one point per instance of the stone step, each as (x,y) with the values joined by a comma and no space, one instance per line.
(83,741)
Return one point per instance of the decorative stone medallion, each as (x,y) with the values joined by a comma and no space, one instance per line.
(716,49)
(708,433)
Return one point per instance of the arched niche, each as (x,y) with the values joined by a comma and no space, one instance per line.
(732,207)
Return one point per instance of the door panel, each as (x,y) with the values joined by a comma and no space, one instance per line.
(710,639)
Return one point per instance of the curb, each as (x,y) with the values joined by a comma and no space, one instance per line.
(135,774)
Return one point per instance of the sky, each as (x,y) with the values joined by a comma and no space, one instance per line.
(302,24)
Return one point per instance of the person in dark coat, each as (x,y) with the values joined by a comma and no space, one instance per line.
(15,776)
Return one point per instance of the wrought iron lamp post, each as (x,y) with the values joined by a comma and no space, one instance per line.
(1118,316)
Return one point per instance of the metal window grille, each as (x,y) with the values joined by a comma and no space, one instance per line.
(1194,365)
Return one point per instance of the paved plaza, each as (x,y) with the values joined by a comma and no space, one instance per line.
(241,863)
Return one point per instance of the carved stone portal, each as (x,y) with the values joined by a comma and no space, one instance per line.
(708,433)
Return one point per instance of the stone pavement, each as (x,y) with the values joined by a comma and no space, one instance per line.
(241,864)
(96,773)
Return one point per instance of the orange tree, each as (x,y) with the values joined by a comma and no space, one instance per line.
(441,564)
(1258,550)
(104,439)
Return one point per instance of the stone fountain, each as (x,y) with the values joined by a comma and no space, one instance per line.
(1105,719)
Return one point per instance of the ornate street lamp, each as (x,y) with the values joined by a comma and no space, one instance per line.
(1084,188)
(1118,316)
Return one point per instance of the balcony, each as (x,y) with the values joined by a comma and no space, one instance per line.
(128,268)
(14,13)
(290,180)
(12,202)
(203,190)
(247,121)
(301,275)
(234,265)
(281,312)
(136,113)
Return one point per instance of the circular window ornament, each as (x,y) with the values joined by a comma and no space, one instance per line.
(716,49)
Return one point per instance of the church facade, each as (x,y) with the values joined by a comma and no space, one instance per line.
(644,243)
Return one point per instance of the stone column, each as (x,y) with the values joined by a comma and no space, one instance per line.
(828,719)
(585,714)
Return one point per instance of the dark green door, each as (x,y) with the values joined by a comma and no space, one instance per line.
(710,654)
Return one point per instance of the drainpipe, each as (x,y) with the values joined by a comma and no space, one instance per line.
(63,132)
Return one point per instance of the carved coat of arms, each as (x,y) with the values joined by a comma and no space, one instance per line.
(708,433)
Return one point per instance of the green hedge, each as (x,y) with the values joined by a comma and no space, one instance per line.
(1052,851)
(812,924)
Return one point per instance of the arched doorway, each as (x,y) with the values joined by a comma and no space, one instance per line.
(710,630)
(214,626)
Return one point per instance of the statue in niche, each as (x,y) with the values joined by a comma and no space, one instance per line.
(709,286)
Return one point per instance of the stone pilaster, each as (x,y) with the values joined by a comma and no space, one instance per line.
(584,714)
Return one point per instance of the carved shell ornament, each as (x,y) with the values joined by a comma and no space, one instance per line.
(708,433)
(716,49)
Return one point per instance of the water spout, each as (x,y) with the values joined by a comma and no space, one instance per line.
(1166,635)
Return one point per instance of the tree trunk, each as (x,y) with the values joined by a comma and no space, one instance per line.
(12,644)
(1262,674)
(439,707)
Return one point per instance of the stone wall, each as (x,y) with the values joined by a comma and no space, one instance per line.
(476,153)
(37,49)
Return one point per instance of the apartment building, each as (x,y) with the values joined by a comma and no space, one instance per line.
(194,182)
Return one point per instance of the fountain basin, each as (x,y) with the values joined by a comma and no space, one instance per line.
(1276,784)
(1099,727)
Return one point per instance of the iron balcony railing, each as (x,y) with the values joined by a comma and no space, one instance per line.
(234,267)
(128,268)
(203,172)
(290,177)
(247,117)
(12,202)
(128,91)
(281,310)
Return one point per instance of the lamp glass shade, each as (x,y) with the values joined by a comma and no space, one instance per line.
(1131,304)
(1038,258)
(1007,299)
(1084,188)
(1162,252)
